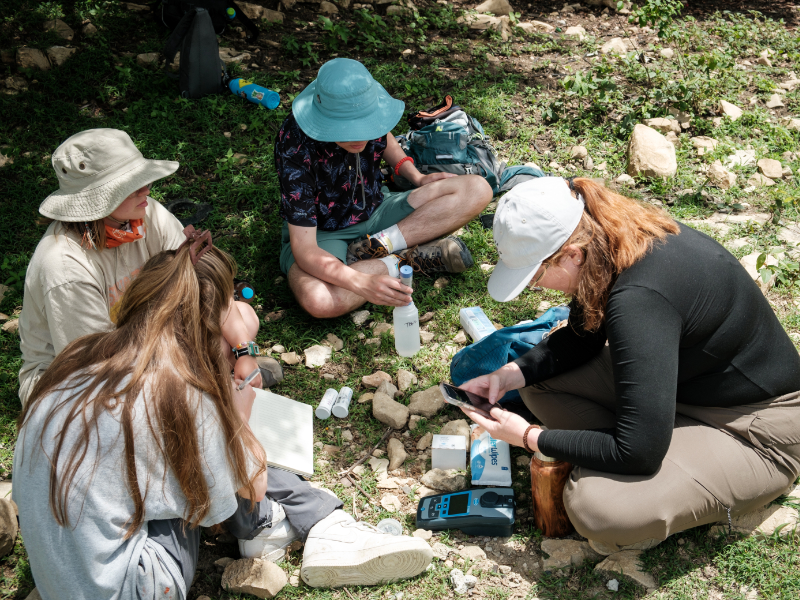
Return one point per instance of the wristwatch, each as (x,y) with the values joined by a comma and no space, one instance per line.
(244,349)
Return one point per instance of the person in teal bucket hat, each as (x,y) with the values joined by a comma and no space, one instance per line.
(345,236)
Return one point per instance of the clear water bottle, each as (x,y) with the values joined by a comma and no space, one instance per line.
(406,321)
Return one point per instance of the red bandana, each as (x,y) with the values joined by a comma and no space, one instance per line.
(116,237)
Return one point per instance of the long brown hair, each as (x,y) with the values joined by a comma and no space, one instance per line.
(167,341)
(614,233)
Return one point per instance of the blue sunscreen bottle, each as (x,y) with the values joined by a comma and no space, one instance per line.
(254,93)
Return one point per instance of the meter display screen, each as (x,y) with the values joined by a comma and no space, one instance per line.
(459,503)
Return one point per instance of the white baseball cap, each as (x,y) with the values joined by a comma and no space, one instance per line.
(532,222)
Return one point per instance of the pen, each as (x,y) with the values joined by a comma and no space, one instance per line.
(249,378)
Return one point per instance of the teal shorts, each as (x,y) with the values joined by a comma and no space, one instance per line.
(392,210)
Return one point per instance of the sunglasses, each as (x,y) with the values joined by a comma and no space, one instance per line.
(535,282)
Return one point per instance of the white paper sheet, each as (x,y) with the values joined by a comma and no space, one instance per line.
(285,428)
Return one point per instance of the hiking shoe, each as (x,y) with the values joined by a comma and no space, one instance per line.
(365,249)
(447,255)
(271,371)
(271,543)
(341,551)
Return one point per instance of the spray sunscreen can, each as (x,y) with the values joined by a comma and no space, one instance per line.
(254,93)
(341,407)
(324,409)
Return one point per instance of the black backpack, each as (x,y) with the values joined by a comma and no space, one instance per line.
(172,11)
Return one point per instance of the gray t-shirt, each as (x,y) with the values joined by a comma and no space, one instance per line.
(91,558)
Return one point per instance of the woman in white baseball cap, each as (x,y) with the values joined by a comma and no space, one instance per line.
(673,388)
(102,229)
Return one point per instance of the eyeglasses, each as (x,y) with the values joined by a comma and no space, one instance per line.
(536,281)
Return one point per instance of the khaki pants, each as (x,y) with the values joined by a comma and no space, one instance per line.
(720,461)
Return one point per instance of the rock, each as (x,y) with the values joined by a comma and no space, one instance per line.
(457,427)
(317,355)
(424,491)
(360,316)
(426,337)
(379,466)
(140,8)
(253,11)
(576,31)
(664,125)
(426,403)
(650,154)
(273,16)
(720,176)
(388,411)
(347,435)
(290,358)
(20,84)
(763,522)
(787,171)
(413,421)
(446,481)
(388,484)
(391,503)
(375,341)
(741,158)
(673,139)
(364,398)
(626,562)
(440,551)
(427,317)
(613,585)
(328,8)
(397,453)
(624,179)
(8,525)
(566,553)
(615,46)
(61,29)
(667,53)
(441,283)
(775,101)
(11,326)
(423,534)
(375,379)
(405,379)
(381,328)
(277,315)
(791,124)
(758,180)
(89,30)
(473,553)
(536,26)
(523,461)
(148,58)
(31,58)
(387,387)
(578,152)
(732,111)
(278,349)
(462,583)
(330,450)
(261,578)
(495,7)
(704,144)
(771,168)
(231,55)
(425,441)
(483,22)
(58,55)
(334,342)
(749,263)
(222,563)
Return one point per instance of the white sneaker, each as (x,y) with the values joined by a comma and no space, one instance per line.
(271,543)
(341,551)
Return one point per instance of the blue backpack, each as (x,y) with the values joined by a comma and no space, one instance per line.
(503,346)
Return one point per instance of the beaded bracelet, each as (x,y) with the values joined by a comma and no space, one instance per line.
(525,437)
(400,162)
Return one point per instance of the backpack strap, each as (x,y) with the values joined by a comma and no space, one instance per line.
(251,27)
(176,39)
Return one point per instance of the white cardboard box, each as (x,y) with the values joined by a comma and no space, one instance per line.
(449,452)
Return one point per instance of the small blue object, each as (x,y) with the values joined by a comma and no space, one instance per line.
(254,93)
(247,293)
(406,275)
(231,13)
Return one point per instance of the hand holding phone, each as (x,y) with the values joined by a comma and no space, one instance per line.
(465,399)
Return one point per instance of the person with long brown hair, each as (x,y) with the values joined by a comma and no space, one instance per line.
(672,388)
(134,438)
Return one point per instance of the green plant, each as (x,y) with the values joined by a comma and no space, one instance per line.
(336,34)
(50,10)
(309,57)
(290,44)
(786,270)
(15,272)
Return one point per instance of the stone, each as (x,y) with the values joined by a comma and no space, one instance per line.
(89,30)
(685,119)
(389,411)
(787,171)
(374,341)
(375,379)
(749,263)
(364,398)
(360,316)
(424,491)
(473,553)
(405,379)
(387,387)
(523,461)
(328,8)
(58,55)
(664,125)
(440,551)
(615,46)
(741,158)
(397,453)
(379,466)
(261,578)
(763,522)
(791,124)
(413,421)
(667,53)
(141,8)
(441,283)
(9,527)
(330,450)
(789,85)
(388,484)
(222,563)
(446,481)
(576,31)
(483,22)
(720,176)
(334,342)
(278,349)
(427,317)
(20,84)
(273,16)
(704,144)
(391,503)
(771,168)
(317,355)
(147,58)
(426,403)
(613,585)
(650,154)
(231,55)
(11,326)
(423,534)
(425,441)
(732,111)
(758,180)
(578,152)
(495,7)
(536,26)
(5,489)
(462,583)
(624,179)
(673,139)
(457,427)
(290,358)
(426,337)
(347,435)
(60,28)
(564,554)
(626,562)
(31,58)
(775,101)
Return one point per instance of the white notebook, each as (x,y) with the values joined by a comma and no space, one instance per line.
(285,429)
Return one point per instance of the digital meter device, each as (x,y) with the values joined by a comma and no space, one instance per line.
(489,511)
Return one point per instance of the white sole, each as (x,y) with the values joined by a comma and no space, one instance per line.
(367,567)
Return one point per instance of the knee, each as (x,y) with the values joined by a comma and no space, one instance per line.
(592,513)
(319,308)
(478,191)
(249,317)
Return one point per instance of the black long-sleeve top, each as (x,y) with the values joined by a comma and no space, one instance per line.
(686,324)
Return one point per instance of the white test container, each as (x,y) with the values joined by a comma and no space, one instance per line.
(341,408)
(324,409)
(449,452)
(475,322)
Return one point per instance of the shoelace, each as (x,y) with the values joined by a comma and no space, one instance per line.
(365,527)
(420,263)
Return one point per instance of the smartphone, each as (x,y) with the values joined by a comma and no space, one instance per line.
(459,397)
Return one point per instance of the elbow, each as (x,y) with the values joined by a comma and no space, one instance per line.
(643,463)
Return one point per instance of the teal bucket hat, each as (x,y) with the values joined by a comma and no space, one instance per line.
(345,104)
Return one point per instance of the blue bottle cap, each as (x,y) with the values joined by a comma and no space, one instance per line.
(247,293)
(406,271)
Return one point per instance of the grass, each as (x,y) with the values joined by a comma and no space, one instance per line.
(544,95)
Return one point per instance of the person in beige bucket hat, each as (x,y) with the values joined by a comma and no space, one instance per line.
(102,228)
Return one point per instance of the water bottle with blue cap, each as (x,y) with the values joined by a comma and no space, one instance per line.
(254,93)
(406,320)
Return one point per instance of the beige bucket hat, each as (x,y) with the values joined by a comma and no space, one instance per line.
(97,169)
